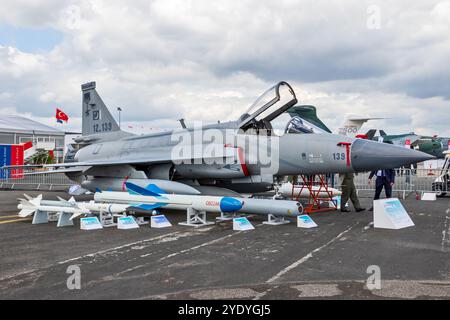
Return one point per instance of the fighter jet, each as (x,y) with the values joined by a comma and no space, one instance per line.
(307,116)
(434,146)
(195,160)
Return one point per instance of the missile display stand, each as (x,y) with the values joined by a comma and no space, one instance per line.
(141,221)
(195,218)
(107,220)
(227,217)
(274,220)
(40,217)
(315,203)
(64,219)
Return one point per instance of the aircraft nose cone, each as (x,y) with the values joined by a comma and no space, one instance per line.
(369,155)
(228,204)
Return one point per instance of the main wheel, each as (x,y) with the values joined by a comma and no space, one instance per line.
(438,189)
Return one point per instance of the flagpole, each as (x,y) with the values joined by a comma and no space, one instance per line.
(119,109)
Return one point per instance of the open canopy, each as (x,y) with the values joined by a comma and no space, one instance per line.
(268,106)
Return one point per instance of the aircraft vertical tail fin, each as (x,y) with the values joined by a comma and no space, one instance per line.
(371,133)
(352,125)
(96,117)
(382,133)
(309,114)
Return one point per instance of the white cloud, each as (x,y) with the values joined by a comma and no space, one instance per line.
(162,60)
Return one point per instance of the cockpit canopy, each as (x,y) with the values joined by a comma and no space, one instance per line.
(271,104)
(296,125)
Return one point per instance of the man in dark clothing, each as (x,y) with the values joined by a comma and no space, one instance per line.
(386,179)
(349,192)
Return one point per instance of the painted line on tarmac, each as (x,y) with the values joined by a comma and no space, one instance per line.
(446,232)
(204,244)
(307,257)
(7,217)
(15,220)
(119,247)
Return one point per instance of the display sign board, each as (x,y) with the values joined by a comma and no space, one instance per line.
(305,221)
(337,200)
(125,223)
(242,224)
(90,223)
(159,221)
(429,196)
(11,155)
(390,214)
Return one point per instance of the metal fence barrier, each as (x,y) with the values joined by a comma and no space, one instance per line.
(407,181)
(15,179)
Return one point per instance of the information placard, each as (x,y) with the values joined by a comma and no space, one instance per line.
(305,221)
(126,223)
(390,214)
(90,223)
(242,224)
(159,221)
(429,196)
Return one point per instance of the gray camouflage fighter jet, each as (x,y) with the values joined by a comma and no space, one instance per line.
(107,157)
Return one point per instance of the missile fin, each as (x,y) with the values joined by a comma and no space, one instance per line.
(27,203)
(36,201)
(62,200)
(154,188)
(76,215)
(135,189)
(27,196)
(26,213)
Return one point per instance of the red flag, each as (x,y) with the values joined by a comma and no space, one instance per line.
(61,116)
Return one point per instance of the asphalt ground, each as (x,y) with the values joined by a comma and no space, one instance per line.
(215,262)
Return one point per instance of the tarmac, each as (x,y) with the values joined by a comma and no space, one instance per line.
(332,261)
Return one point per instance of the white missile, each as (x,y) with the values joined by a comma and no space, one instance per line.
(31,205)
(302,191)
(152,197)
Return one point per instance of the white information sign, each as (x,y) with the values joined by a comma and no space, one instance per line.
(159,222)
(242,224)
(390,214)
(305,221)
(90,223)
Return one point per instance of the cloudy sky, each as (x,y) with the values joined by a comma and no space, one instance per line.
(208,60)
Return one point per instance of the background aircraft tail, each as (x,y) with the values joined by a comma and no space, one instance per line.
(351,126)
(371,133)
(96,117)
(309,114)
(382,133)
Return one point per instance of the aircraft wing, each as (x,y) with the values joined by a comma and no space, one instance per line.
(105,163)
(222,152)
(67,170)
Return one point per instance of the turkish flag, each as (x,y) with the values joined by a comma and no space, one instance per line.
(61,116)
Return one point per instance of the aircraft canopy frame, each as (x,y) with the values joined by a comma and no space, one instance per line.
(261,108)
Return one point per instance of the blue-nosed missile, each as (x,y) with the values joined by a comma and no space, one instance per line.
(147,199)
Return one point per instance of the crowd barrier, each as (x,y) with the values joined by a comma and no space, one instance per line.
(407,181)
(15,179)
